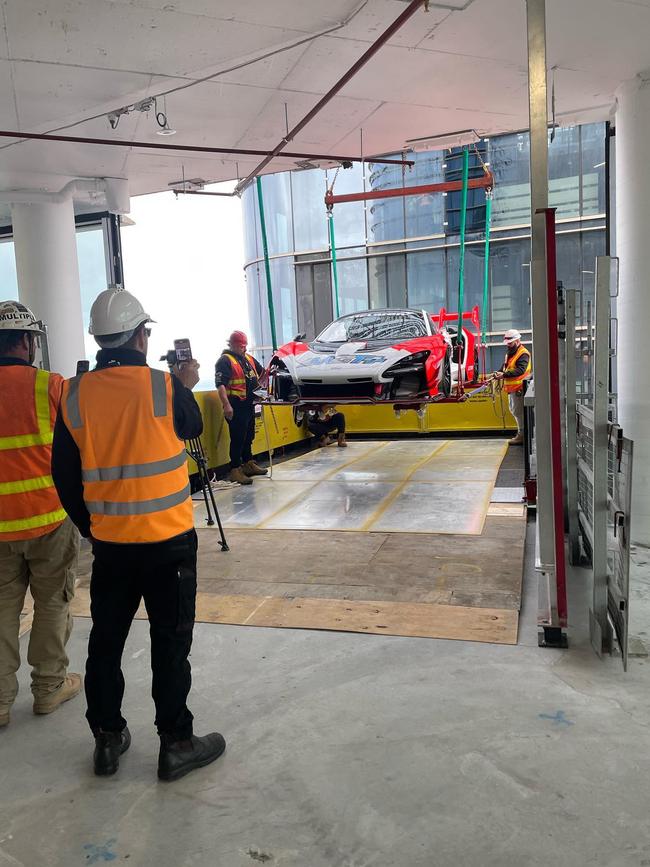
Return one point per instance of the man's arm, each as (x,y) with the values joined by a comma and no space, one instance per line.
(188,421)
(222,377)
(66,472)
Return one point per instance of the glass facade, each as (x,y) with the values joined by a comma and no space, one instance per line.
(404,251)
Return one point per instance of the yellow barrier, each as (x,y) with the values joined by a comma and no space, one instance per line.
(477,414)
(280,429)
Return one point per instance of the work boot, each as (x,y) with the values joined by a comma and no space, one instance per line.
(239,476)
(178,758)
(109,746)
(5,711)
(251,468)
(70,687)
(517,440)
(341,441)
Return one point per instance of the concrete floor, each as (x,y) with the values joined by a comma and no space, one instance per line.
(350,751)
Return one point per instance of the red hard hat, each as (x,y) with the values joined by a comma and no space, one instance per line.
(238,337)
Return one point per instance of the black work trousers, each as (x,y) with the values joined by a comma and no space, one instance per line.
(242,432)
(164,575)
(323,428)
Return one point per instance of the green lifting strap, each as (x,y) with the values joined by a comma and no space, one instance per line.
(461,263)
(486,269)
(267,265)
(330,220)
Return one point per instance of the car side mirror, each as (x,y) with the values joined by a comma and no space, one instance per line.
(299,337)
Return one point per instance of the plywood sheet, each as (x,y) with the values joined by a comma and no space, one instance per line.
(417,620)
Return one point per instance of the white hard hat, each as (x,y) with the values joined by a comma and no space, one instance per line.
(116,312)
(14,316)
(511,335)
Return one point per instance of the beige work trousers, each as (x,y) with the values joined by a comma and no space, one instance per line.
(47,565)
(516,401)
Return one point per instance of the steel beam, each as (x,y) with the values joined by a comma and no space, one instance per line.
(485,182)
(538,113)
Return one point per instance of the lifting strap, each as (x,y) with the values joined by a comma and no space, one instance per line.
(267,264)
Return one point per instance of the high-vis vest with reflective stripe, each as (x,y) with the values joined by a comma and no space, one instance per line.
(237,385)
(29,504)
(133,465)
(515,383)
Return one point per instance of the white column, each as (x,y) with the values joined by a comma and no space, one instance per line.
(633,249)
(48,276)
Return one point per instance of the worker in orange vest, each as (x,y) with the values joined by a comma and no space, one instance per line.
(516,370)
(237,377)
(39,544)
(120,467)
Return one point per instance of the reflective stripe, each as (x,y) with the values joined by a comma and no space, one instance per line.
(42,401)
(134,471)
(159,393)
(32,523)
(72,403)
(140,507)
(42,406)
(25,485)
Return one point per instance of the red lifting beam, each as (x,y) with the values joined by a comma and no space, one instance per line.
(486,182)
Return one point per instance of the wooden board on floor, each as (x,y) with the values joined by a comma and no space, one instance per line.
(416,620)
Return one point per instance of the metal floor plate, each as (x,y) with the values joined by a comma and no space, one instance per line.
(413,486)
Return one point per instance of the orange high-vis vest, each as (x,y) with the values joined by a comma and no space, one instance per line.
(512,384)
(29,504)
(133,465)
(237,385)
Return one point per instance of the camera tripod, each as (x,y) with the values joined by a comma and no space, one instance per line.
(194,448)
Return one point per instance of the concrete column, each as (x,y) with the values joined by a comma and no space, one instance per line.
(633,249)
(48,276)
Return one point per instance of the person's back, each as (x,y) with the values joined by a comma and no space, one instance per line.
(38,543)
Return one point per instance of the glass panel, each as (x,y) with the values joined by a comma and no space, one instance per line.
(305,292)
(427,283)
(453,171)
(323,310)
(425,213)
(284,298)
(592,138)
(473,293)
(509,157)
(349,219)
(569,260)
(8,279)
(353,285)
(92,276)
(276,189)
(377,281)
(593,244)
(564,172)
(509,285)
(396,273)
(251,224)
(258,312)
(310,221)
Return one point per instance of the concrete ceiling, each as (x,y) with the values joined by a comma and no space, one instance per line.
(65,63)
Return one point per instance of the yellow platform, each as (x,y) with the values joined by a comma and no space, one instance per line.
(478,414)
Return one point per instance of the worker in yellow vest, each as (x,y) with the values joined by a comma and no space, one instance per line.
(120,468)
(38,542)
(517,369)
(237,377)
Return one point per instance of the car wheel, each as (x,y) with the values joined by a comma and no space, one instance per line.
(444,386)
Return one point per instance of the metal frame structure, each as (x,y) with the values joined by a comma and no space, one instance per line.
(553,620)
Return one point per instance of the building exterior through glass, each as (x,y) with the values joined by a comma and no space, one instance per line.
(404,251)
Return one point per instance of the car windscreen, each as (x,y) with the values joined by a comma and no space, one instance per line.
(389,326)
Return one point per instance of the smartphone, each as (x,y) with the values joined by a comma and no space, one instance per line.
(83,366)
(183,350)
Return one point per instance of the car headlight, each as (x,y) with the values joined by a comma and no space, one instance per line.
(410,364)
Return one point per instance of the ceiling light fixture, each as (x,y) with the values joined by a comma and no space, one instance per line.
(443,142)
